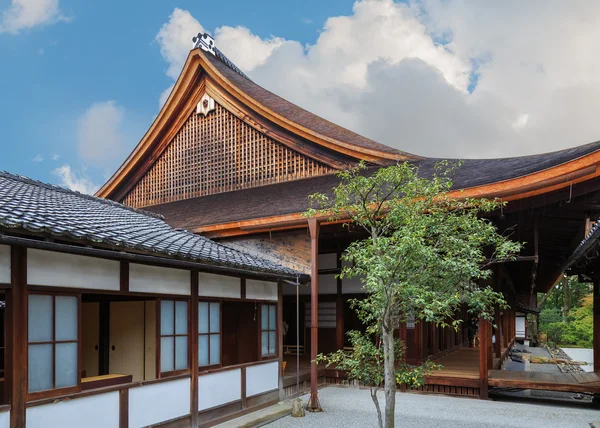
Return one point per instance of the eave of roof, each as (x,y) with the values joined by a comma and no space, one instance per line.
(280,206)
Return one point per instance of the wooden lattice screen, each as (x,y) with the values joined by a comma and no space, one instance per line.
(218,153)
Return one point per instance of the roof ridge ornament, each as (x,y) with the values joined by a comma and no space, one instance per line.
(204,42)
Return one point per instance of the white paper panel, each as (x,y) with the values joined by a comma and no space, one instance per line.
(95,411)
(156,279)
(262,378)
(4,264)
(219,388)
(158,402)
(328,261)
(70,270)
(5,419)
(210,285)
(262,290)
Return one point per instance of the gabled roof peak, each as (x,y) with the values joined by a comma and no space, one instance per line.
(207,43)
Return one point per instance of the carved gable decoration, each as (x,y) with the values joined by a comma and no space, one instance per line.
(215,153)
(206,105)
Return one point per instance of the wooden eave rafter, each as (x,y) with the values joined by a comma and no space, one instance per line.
(198,76)
(545,181)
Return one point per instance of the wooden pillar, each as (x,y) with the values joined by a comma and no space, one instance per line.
(596,312)
(483,358)
(280,336)
(17,320)
(194,351)
(339,309)
(313,226)
(505,339)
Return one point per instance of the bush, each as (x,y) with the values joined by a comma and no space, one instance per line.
(555,331)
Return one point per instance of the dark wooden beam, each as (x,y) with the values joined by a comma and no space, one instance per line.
(124,276)
(194,349)
(313,226)
(483,358)
(17,319)
(124,408)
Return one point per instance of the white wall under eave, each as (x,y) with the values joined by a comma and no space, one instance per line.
(219,388)
(158,402)
(262,378)
(70,270)
(5,419)
(4,264)
(210,285)
(157,279)
(94,411)
(261,290)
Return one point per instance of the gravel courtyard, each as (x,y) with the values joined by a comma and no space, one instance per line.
(348,407)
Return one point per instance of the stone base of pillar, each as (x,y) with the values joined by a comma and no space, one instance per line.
(313,404)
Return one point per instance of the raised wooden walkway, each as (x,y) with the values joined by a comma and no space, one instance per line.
(566,382)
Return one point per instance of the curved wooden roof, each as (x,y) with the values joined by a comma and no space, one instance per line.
(265,111)
(282,204)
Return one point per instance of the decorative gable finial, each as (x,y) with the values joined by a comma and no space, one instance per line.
(206,105)
(205,42)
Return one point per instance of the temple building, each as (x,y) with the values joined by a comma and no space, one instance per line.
(170,298)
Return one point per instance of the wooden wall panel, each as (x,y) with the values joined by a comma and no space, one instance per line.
(290,249)
(218,153)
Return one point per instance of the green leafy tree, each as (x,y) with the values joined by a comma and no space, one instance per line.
(425,254)
(579,329)
(365,364)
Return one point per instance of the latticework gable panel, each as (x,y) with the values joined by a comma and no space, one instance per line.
(218,153)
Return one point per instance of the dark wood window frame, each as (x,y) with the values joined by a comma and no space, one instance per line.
(159,373)
(209,334)
(270,329)
(65,390)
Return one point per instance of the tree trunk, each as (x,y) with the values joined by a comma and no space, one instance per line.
(376,401)
(566,298)
(390,373)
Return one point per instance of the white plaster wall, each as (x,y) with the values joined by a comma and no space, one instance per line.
(158,402)
(156,279)
(262,378)
(210,285)
(262,290)
(4,264)
(5,419)
(70,270)
(219,388)
(95,411)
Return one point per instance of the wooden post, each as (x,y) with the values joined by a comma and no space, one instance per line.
(339,308)
(17,319)
(596,312)
(313,226)
(483,358)
(194,351)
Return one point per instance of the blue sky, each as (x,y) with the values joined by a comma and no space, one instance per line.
(52,73)
(80,81)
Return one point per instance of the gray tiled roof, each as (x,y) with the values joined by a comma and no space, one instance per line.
(34,206)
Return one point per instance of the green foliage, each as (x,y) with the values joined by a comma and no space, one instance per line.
(556,296)
(365,362)
(426,254)
(577,330)
(580,325)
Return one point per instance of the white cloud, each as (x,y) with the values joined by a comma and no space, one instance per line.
(25,14)
(100,134)
(434,77)
(78,182)
(38,158)
(175,39)
(55,157)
